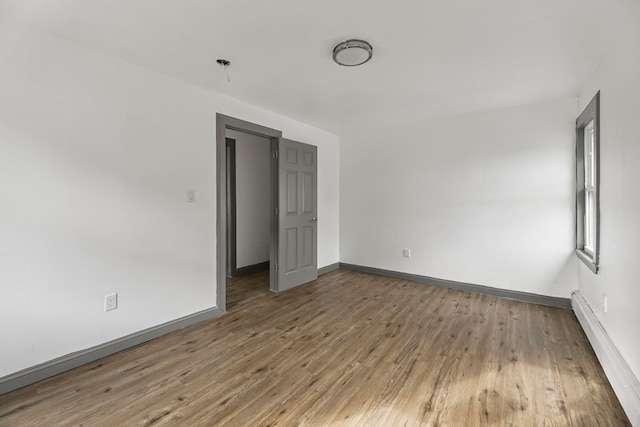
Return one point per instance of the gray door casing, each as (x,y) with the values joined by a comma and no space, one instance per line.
(297,214)
(306,273)
(223,123)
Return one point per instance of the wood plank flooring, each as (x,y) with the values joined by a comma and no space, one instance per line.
(350,349)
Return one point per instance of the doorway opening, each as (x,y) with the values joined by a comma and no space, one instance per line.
(223,264)
(248,203)
(293,207)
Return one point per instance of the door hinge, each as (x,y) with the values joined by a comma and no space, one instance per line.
(276,267)
(277,210)
(275,154)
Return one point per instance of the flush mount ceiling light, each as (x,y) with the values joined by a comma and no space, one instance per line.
(352,52)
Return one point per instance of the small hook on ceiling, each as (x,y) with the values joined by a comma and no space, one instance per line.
(224,63)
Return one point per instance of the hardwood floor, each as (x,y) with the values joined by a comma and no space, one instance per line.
(349,349)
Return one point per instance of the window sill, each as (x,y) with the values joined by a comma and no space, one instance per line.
(587,260)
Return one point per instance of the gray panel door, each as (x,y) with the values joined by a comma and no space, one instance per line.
(297,214)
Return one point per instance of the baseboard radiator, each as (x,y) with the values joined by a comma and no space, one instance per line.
(624,382)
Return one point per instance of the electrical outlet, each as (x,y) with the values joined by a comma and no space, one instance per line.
(191,196)
(406,253)
(110,302)
(605,303)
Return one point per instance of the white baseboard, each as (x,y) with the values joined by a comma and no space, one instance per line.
(624,382)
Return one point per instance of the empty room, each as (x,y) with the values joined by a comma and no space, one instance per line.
(320,213)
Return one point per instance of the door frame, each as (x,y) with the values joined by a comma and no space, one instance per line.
(231,207)
(223,123)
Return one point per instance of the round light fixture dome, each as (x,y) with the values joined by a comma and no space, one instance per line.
(352,52)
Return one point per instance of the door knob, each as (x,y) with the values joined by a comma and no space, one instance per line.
(314,219)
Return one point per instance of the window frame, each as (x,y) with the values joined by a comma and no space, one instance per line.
(588,219)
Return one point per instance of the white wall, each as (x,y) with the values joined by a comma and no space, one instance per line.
(484,199)
(253,164)
(618,79)
(96,158)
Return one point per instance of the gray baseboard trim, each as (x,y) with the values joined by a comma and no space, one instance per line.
(468,287)
(623,381)
(251,268)
(328,268)
(64,363)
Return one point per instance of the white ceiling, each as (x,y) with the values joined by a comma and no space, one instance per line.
(431,58)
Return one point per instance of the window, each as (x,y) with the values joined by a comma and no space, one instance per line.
(588,179)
